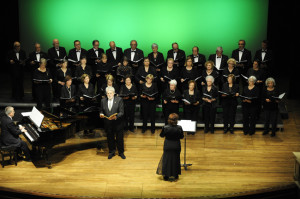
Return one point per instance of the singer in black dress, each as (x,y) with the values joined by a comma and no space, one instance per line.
(231,69)
(192,107)
(168,73)
(42,79)
(169,165)
(123,71)
(209,71)
(109,82)
(210,94)
(188,73)
(68,93)
(270,106)
(250,106)
(171,99)
(148,93)
(143,71)
(129,93)
(102,69)
(83,68)
(229,102)
(59,78)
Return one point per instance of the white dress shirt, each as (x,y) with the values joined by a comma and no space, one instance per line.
(18,55)
(240,54)
(110,103)
(174,55)
(132,54)
(78,55)
(114,52)
(263,54)
(218,62)
(38,56)
(57,51)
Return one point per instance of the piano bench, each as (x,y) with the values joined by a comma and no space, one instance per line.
(10,151)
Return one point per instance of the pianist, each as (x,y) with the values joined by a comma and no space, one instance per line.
(10,133)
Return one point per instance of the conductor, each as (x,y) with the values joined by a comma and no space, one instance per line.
(112,111)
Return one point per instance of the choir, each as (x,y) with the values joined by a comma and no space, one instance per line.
(193,82)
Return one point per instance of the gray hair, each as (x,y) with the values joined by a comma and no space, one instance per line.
(110,88)
(154,45)
(8,110)
(270,79)
(252,78)
(219,49)
(173,81)
(210,77)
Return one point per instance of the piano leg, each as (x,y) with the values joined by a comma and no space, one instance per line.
(46,158)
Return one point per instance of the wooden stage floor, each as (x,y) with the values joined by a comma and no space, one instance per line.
(222,164)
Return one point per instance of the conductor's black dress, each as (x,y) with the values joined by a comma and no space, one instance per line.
(170,162)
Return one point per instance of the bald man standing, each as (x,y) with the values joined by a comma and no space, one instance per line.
(114,53)
(55,54)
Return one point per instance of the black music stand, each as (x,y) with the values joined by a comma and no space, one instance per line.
(187,126)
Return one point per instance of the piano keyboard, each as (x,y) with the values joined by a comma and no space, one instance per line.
(31,133)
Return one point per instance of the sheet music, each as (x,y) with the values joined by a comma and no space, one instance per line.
(187,125)
(36,117)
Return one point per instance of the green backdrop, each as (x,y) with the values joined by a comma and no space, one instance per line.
(204,23)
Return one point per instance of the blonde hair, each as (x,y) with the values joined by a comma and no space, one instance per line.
(150,76)
(170,59)
(84,76)
(209,62)
(43,61)
(231,60)
(109,77)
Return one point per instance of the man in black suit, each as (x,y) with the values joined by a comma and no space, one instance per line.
(34,60)
(264,56)
(94,54)
(16,59)
(10,132)
(75,54)
(177,54)
(219,59)
(243,57)
(198,59)
(56,54)
(114,54)
(112,110)
(135,56)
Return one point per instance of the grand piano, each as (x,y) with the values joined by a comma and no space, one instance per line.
(58,125)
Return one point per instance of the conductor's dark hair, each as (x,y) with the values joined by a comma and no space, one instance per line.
(76,41)
(173,119)
(95,42)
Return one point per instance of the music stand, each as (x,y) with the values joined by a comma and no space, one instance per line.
(187,126)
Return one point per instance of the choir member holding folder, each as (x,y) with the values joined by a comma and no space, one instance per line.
(109,82)
(42,79)
(83,68)
(123,71)
(198,59)
(75,54)
(156,58)
(59,77)
(188,73)
(210,94)
(171,99)
(114,54)
(135,55)
(249,106)
(229,94)
(68,93)
(191,99)
(209,71)
(270,99)
(102,69)
(231,69)
(177,55)
(148,93)
(143,71)
(129,93)
(56,54)
(242,56)
(168,73)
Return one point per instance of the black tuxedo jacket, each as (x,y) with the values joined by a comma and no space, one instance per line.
(268,57)
(52,54)
(118,107)
(246,56)
(139,54)
(32,57)
(180,57)
(119,55)
(92,55)
(11,55)
(72,54)
(201,61)
(224,60)
(9,132)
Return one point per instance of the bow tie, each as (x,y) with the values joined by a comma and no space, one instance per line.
(219,57)
(196,56)
(263,51)
(78,51)
(37,53)
(115,50)
(133,51)
(241,50)
(57,49)
(96,50)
